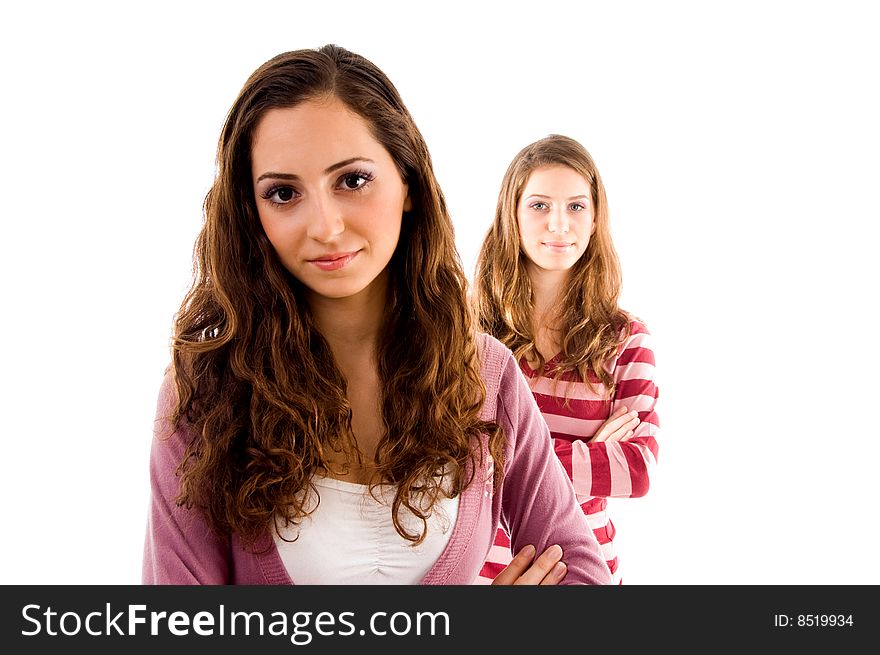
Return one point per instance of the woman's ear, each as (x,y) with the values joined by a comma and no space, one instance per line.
(407,202)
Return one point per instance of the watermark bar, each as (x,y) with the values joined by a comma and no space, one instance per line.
(328,619)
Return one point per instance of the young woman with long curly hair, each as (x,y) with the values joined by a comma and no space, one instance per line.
(331,414)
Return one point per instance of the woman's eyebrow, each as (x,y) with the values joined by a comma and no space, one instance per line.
(329,169)
(346,162)
(541,195)
(279,176)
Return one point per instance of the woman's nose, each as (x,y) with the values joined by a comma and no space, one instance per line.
(557,221)
(325,220)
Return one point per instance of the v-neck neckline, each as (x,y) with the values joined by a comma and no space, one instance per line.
(548,365)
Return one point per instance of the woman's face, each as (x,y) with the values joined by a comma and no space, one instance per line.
(329,196)
(555,217)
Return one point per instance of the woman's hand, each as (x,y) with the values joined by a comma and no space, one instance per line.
(620,426)
(548,569)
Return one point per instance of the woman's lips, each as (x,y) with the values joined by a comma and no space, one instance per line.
(557,246)
(334,261)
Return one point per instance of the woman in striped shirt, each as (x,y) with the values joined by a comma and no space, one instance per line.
(547,285)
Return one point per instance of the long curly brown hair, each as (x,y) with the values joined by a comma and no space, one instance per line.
(257,385)
(592,324)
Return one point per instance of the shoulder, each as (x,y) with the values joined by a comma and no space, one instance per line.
(636,344)
(493,354)
(637,326)
(496,359)
(634,332)
(497,369)
(169,438)
(166,404)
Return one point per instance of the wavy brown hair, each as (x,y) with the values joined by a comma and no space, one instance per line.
(256,382)
(590,320)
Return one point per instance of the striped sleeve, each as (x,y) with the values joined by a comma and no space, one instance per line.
(620,469)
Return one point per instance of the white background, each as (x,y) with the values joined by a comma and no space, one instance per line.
(739,146)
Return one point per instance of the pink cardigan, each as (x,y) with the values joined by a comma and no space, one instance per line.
(536,503)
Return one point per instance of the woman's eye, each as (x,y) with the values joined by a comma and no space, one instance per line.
(576,207)
(539,205)
(280,195)
(284,194)
(354,181)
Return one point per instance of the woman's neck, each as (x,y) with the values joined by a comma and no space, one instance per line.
(351,325)
(547,294)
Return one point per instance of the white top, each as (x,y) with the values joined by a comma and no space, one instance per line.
(350,537)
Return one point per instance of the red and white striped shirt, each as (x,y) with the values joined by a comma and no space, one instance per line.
(598,470)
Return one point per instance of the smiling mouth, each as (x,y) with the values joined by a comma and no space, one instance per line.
(335,261)
(557,246)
